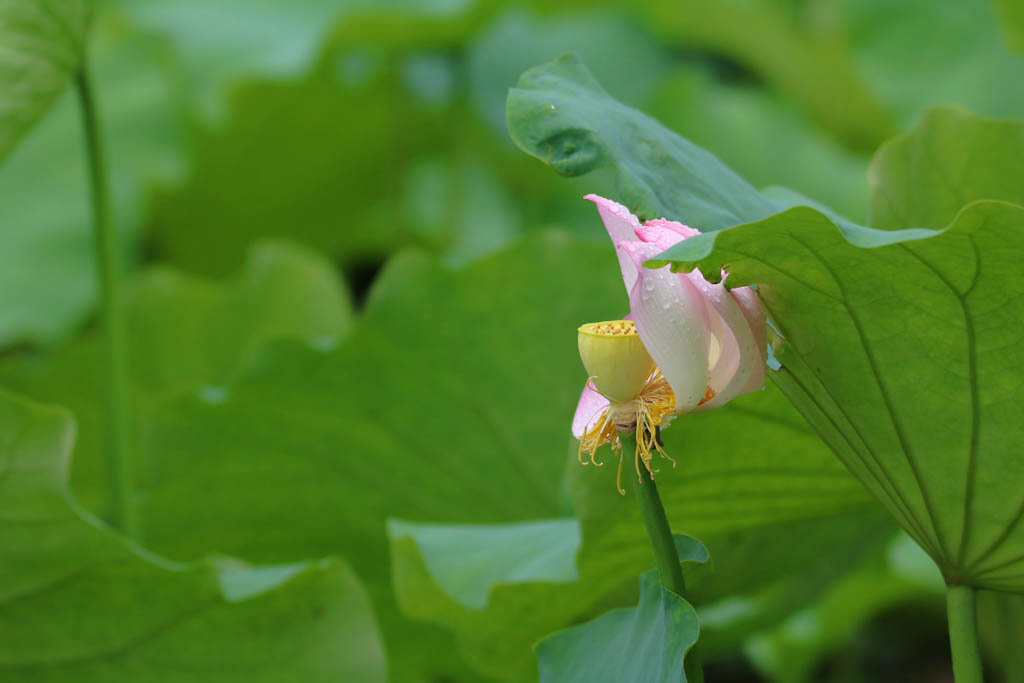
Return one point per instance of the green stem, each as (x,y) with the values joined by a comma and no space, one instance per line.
(666,557)
(963,634)
(116,384)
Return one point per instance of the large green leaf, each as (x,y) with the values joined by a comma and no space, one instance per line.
(450,402)
(951,158)
(896,345)
(516,41)
(42,43)
(752,129)
(424,412)
(80,603)
(559,113)
(646,643)
(903,356)
(317,180)
(187,334)
(751,475)
(469,560)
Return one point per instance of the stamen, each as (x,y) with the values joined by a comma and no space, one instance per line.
(647,411)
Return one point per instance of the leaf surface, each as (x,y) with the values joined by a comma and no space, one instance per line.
(646,643)
(559,113)
(897,345)
(80,603)
(43,43)
(903,356)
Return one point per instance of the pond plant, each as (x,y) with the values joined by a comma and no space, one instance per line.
(781,380)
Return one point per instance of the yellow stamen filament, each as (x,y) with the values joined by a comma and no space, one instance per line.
(645,414)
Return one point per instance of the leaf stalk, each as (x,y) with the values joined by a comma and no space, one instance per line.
(963,634)
(666,557)
(115,344)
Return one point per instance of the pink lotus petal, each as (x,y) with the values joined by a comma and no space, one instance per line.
(740,358)
(590,405)
(672,319)
(748,301)
(683,231)
(621,225)
(664,233)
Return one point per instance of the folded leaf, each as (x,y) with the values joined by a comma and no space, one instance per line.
(559,113)
(468,560)
(77,602)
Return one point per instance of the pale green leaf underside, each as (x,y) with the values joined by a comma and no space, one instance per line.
(41,46)
(645,643)
(559,113)
(906,358)
(467,560)
(77,602)
(690,550)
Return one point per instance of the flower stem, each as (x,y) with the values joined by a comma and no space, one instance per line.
(963,634)
(115,351)
(666,557)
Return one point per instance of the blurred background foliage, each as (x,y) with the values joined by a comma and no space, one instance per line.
(336,254)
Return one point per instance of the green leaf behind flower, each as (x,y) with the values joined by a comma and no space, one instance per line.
(188,334)
(80,603)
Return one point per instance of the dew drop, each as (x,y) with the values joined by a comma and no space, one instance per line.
(213,394)
(323,343)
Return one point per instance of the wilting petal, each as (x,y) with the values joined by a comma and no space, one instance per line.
(588,409)
(664,233)
(621,225)
(748,301)
(672,319)
(740,357)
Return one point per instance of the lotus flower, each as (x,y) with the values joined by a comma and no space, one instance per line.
(707,343)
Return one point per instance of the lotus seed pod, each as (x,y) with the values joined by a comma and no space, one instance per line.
(615,358)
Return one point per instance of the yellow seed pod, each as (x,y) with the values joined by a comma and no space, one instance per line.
(615,358)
